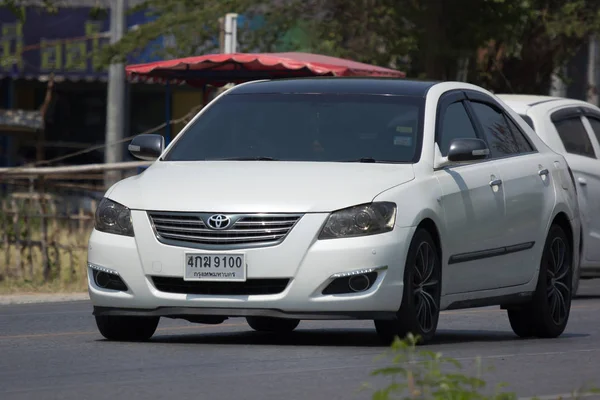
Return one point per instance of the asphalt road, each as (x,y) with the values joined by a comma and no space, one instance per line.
(53,351)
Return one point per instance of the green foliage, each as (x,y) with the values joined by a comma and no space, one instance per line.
(427,375)
(423,375)
(192,26)
(507,45)
(18,9)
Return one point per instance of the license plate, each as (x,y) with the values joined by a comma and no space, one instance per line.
(215,267)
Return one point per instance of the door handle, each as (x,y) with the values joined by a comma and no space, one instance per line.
(496,182)
(582,181)
(543,172)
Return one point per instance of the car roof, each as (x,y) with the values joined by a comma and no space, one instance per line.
(529,100)
(523,103)
(338,85)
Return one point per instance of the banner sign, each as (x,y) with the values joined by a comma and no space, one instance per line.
(61,42)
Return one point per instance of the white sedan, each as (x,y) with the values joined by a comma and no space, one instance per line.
(377,199)
(572,128)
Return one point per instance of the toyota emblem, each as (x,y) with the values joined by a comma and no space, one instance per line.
(218,221)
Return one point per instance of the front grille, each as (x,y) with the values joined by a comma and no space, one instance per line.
(250,287)
(183,229)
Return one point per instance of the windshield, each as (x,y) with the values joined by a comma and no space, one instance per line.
(305,127)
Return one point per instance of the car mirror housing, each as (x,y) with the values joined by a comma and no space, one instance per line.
(467,149)
(147,147)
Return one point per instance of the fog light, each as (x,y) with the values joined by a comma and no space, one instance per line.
(107,278)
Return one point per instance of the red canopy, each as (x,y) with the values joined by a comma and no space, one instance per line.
(220,69)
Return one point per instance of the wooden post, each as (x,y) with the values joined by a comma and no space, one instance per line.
(40,201)
(18,243)
(5,239)
(70,236)
(54,234)
(28,209)
(81,218)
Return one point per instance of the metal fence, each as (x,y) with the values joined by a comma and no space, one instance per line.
(46,217)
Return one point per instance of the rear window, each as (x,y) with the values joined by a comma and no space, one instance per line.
(574,137)
(305,127)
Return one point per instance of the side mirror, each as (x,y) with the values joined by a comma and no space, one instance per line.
(464,150)
(147,147)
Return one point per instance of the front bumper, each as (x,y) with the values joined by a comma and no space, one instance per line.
(308,263)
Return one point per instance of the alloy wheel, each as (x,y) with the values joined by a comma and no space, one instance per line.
(426,286)
(557,280)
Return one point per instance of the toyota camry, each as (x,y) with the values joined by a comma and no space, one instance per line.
(339,198)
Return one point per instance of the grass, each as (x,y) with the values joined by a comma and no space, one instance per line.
(22,271)
(27,287)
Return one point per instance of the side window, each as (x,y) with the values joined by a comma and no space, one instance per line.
(527,119)
(574,137)
(499,136)
(455,124)
(595,123)
(522,144)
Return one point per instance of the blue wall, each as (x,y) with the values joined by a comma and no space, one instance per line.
(69,58)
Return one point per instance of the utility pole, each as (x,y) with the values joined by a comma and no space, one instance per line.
(227,40)
(115,106)
(592,94)
(230,33)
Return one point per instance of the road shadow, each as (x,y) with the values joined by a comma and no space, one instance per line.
(587,297)
(364,338)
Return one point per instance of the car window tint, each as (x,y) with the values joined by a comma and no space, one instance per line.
(523,145)
(498,135)
(456,124)
(595,123)
(305,127)
(574,137)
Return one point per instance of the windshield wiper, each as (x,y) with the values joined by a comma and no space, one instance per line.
(260,158)
(362,160)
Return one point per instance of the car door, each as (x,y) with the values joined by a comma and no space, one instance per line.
(473,205)
(528,191)
(580,140)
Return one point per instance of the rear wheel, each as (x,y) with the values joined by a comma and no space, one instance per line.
(270,324)
(420,309)
(125,328)
(547,313)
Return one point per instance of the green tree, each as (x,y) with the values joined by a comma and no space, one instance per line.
(547,36)
(506,45)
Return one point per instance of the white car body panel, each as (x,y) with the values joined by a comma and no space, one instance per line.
(586,170)
(281,187)
(466,211)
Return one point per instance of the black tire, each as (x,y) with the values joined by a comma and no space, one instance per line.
(125,328)
(546,315)
(270,324)
(420,309)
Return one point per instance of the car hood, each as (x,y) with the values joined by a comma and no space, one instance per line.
(257,186)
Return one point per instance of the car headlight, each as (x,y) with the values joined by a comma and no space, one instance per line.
(112,217)
(361,220)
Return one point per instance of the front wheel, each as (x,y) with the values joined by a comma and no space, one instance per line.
(125,328)
(547,313)
(420,309)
